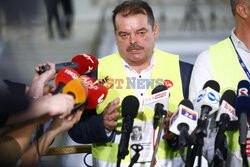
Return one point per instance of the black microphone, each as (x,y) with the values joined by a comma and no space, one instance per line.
(158,106)
(226,111)
(130,106)
(242,108)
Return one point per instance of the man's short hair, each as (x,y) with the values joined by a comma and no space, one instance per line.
(134,7)
(234,3)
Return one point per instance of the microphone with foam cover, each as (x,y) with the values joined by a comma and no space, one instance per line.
(130,106)
(225,114)
(242,104)
(227,108)
(96,95)
(87,80)
(242,108)
(183,122)
(78,89)
(64,76)
(83,64)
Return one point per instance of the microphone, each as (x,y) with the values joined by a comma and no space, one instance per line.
(183,122)
(227,108)
(96,95)
(64,76)
(225,114)
(87,80)
(158,106)
(83,64)
(242,107)
(130,106)
(78,89)
(208,99)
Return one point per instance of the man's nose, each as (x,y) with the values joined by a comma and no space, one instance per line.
(133,38)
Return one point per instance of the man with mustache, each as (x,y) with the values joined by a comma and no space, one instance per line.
(135,33)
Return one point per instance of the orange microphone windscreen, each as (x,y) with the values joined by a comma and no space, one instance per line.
(78,89)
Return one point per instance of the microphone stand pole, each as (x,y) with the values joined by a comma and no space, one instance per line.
(163,113)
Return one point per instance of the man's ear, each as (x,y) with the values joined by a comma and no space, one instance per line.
(155,31)
(243,10)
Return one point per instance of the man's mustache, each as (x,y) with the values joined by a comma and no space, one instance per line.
(134,46)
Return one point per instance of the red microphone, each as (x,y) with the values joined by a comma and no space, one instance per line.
(87,80)
(64,76)
(96,95)
(83,64)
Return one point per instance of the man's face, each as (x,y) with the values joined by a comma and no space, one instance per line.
(135,38)
(136,132)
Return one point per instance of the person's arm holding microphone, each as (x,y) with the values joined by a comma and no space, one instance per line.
(59,125)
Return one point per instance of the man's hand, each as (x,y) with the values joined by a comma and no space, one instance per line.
(110,114)
(168,134)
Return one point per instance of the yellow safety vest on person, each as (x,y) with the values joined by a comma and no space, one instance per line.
(166,67)
(227,71)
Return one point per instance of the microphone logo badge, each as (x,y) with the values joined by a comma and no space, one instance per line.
(211,96)
(88,57)
(73,75)
(189,114)
(243,92)
(168,83)
(201,96)
(89,70)
(100,99)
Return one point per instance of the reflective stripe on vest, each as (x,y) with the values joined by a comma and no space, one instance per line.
(227,72)
(167,67)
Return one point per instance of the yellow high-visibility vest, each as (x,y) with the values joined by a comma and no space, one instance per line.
(166,68)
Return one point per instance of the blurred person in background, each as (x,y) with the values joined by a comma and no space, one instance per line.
(53,14)
(68,16)
(227,62)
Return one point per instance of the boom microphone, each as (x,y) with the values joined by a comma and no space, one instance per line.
(83,64)
(130,106)
(64,76)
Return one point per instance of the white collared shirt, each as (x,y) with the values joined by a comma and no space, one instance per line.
(202,71)
(145,74)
